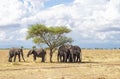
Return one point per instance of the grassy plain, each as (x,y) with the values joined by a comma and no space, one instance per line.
(96,64)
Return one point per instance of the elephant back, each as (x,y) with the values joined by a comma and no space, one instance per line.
(77,49)
(40,52)
(62,49)
(14,50)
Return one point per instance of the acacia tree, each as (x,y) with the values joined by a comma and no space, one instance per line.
(53,37)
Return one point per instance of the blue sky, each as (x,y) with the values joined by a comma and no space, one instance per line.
(94,23)
(51,3)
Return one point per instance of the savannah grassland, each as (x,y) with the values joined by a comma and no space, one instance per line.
(96,64)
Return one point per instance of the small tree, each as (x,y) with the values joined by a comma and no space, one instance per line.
(53,37)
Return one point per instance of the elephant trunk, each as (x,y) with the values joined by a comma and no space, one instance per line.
(22,56)
(27,55)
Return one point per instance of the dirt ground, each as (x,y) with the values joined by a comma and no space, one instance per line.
(96,64)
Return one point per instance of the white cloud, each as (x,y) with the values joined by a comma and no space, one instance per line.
(2,36)
(22,34)
(85,17)
(12,11)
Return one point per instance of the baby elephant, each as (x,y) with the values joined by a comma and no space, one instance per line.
(13,52)
(37,53)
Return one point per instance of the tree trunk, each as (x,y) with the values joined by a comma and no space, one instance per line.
(51,53)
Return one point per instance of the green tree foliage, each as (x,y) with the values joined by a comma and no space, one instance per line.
(34,47)
(53,37)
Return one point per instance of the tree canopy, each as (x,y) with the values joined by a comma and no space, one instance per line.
(51,36)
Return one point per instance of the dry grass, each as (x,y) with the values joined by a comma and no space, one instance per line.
(96,64)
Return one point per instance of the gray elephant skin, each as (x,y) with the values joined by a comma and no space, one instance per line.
(69,53)
(63,54)
(75,53)
(13,52)
(37,53)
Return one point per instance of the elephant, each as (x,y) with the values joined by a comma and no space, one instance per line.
(69,52)
(63,54)
(75,53)
(37,53)
(13,52)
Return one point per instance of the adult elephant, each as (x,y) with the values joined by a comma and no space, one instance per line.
(13,52)
(63,54)
(75,53)
(37,53)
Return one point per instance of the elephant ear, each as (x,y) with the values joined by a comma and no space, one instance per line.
(33,50)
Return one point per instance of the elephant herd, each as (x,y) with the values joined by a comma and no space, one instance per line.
(69,53)
(66,53)
(13,52)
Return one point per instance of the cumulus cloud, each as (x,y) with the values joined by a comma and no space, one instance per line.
(12,11)
(90,20)
(2,35)
(22,32)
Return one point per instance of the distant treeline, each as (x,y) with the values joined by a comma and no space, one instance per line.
(9,48)
(101,48)
(81,48)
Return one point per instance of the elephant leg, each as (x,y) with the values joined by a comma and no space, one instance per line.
(19,58)
(69,58)
(22,56)
(80,57)
(77,58)
(60,58)
(43,59)
(14,58)
(10,59)
(34,57)
(65,58)
(72,58)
